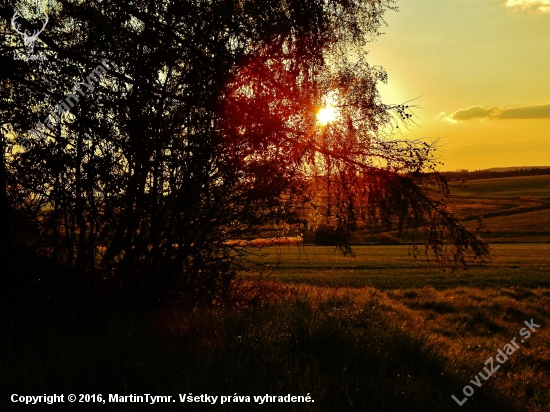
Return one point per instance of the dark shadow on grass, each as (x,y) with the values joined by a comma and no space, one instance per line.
(519,293)
(474,321)
(438,307)
(346,358)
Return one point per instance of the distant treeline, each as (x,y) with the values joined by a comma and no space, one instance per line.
(491,174)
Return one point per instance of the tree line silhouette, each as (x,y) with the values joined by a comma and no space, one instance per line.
(465,174)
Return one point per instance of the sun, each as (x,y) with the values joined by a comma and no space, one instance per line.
(330,110)
(326,115)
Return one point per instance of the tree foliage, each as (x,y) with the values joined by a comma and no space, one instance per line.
(203,131)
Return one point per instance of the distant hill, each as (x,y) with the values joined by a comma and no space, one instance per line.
(496,172)
(509,169)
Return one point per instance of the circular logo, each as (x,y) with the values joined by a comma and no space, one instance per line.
(26,144)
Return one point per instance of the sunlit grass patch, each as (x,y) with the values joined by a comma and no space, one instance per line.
(482,322)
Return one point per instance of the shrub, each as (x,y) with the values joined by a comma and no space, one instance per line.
(331,236)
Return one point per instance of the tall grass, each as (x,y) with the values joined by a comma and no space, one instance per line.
(338,345)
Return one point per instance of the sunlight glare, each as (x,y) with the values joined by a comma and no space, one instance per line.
(329,111)
(326,115)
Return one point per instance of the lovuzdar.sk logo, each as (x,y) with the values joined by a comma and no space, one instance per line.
(28,39)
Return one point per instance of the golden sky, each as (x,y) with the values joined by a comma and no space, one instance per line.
(482,69)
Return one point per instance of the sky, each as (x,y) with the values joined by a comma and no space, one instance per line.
(480,73)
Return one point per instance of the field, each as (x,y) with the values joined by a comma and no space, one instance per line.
(515,209)
(382,331)
(389,268)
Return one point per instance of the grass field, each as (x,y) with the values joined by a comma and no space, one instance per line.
(507,187)
(382,331)
(515,209)
(463,317)
(391,267)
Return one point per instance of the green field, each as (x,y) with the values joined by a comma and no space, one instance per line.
(391,267)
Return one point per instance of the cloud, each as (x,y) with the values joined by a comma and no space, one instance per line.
(473,112)
(540,111)
(542,6)
(443,116)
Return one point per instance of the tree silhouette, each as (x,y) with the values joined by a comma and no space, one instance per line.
(203,130)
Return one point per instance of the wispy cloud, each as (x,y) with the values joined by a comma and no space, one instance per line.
(540,111)
(539,5)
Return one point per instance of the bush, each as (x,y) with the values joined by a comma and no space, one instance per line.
(331,236)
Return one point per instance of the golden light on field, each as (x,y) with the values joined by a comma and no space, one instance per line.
(326,115)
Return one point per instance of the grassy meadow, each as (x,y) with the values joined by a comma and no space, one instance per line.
(514,209)
(381,331)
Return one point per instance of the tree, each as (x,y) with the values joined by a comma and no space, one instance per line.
(203,130)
